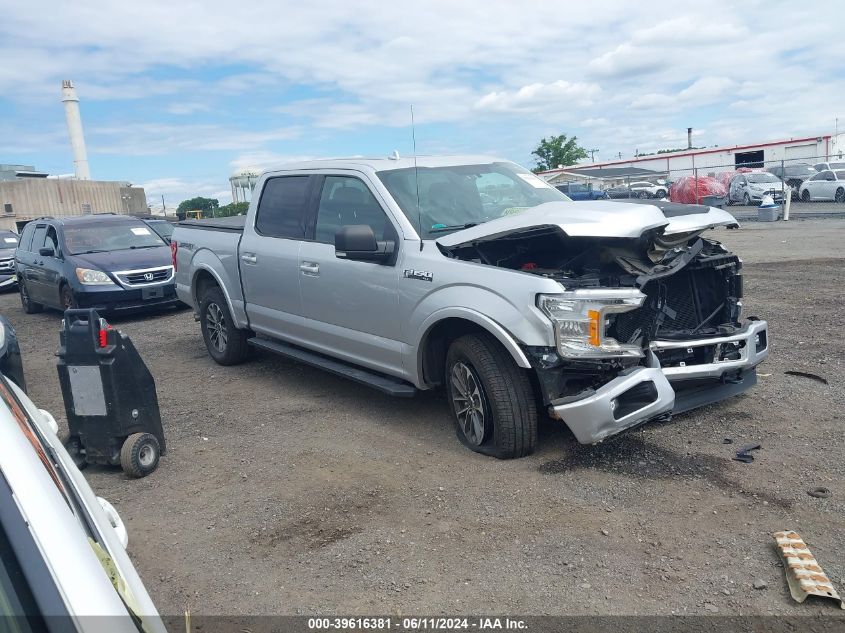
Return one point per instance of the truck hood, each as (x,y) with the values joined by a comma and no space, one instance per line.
(597,219)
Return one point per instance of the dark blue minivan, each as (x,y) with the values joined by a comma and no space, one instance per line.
(109,262)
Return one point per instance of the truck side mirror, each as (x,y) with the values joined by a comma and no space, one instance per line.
(358,242)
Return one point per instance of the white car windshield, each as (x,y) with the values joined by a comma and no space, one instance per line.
(444,199)
(758,178)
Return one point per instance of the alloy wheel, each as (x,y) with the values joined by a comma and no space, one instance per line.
(468,402)
(215,322)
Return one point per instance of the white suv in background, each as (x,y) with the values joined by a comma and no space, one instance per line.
(63,562)
(646,189)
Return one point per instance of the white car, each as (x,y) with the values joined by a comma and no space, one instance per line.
(750,187)
(62,548)
(648,189)
(826,185)
(828,166)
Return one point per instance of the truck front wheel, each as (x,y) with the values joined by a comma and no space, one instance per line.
(225,343)
(491,399)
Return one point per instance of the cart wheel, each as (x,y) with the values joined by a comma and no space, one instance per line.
(139,454)
(74,448)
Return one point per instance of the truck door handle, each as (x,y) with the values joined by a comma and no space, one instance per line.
(310,268)
(249,258)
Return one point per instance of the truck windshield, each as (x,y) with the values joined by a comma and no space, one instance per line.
(111,236)
(456,196)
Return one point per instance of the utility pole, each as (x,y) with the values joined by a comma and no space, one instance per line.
(592,153)
(620,155)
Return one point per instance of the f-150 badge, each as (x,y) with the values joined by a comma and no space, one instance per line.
(422,275)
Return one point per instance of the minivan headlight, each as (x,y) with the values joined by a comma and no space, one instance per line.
(91,277)
(579,320)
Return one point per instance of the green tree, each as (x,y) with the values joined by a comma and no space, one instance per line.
(206,205)
(233,208)
(558,150)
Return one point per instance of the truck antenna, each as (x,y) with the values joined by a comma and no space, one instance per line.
(416,175)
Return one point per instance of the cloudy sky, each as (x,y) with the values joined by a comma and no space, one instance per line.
(177,94)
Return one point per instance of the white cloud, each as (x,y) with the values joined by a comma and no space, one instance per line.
(539,97)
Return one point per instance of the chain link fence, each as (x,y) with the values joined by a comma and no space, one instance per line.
(811,185)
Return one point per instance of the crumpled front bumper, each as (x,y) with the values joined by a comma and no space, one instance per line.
(645,393)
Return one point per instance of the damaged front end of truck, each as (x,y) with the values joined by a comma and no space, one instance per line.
(647,321)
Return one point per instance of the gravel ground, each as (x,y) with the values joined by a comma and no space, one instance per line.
(286,490)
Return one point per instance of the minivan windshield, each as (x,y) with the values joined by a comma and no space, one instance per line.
(109,236)
(457,196)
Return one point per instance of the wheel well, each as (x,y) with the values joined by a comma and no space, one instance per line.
(202,282)
(436,345)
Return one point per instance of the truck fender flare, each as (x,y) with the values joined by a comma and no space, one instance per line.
(205,267)
(491,326)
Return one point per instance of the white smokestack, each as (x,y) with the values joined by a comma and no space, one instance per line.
(74,128)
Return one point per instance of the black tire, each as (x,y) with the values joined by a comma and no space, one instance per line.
(642,195)
(746,199)
(500,392)
(225,343)
(67,298)
(29,306)
(805,196)
(139,454)
(661,193)
(839,196)
(73,445)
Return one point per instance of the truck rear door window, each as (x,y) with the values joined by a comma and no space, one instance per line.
(282,208)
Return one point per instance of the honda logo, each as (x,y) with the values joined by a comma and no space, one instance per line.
(149,276)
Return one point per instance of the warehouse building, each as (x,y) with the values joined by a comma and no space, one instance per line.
(709,160)
(30,194)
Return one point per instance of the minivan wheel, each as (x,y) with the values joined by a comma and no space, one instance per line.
(68,298)
(28,305)
(491,399)
(225,343)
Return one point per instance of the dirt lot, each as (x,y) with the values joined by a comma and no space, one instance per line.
(287,490)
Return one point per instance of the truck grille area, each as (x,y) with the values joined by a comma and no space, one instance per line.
(693,302)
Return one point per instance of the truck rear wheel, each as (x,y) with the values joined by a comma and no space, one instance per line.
(491,399)
(225,343)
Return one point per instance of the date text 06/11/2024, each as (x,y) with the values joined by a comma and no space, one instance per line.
(415,623)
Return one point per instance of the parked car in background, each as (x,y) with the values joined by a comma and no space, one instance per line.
(620,192)
(109,262)
(829,166)
(11,365)
(8,274)
(644,189)
(163,228)
(397,274)
(64,557)
(794,174)
(581,191)
(826,185)
(749,188)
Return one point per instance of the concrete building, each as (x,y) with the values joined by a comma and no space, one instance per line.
(712,160)
(26,198)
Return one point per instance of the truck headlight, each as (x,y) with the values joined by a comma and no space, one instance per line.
(579,320)
(91,277)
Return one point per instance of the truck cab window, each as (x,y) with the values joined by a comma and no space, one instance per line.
(346,201)
(281,210)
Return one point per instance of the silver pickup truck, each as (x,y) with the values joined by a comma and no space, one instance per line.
(474,274)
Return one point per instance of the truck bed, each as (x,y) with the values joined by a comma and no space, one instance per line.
(233,223)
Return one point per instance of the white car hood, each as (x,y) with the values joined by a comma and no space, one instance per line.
(597,219)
